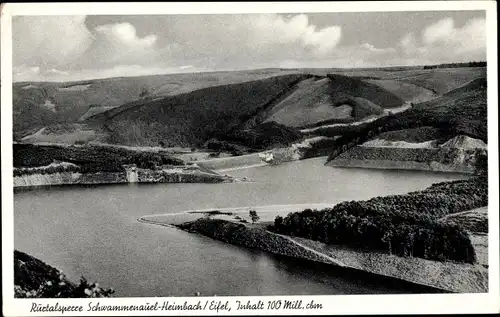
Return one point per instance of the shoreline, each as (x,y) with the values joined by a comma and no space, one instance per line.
(431,166)
(433,274)
(140,176)
(225,164)
(224,227)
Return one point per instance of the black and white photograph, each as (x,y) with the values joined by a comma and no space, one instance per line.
(247,154)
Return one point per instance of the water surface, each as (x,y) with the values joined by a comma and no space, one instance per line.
(93,231)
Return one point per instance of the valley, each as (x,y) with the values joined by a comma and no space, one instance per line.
(380,171)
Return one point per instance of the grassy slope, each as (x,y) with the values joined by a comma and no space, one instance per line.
(441,81)
(416,135)
(193,118)
(363,89)
(406,91)
(65,133)
(465,109)
(325,100)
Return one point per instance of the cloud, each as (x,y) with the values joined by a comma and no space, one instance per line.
(60,44)
(209,41)
(439,31)
(372,49)
(443,42)
(25,73)
(470,37)
(235,41)
(125,34)
(118,44)
(69,47)
(274,28)
(45,40)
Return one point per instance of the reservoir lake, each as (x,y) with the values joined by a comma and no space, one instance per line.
(93,231)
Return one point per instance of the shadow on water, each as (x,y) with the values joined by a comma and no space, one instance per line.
(337,280)
(343,280)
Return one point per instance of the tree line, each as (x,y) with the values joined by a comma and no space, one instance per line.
(88,158)
(457,65)
(404,225)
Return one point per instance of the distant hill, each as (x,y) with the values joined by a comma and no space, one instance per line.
(38,104)
(192,118)
(406,91)
(335,98)
(462,111)
(441,80)
(190,109)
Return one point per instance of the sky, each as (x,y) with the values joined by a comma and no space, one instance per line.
(67,48)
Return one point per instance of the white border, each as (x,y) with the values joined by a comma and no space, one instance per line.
(339,304)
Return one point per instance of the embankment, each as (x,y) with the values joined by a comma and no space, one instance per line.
(174,175)
(225,164)
(447,276)
(457,160)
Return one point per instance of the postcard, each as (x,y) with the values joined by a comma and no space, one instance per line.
(281,158)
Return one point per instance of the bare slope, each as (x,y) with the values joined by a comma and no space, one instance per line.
(335,99)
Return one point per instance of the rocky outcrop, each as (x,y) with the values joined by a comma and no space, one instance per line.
(399,144)
(457,155)
(465,142)
(431,166)
(68,178)
(184,174)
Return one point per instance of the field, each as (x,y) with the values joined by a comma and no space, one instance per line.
(64,134)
